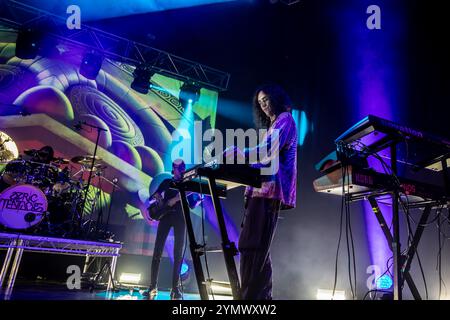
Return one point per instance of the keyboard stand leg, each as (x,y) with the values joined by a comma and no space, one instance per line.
(381,221)
(195,248)
(410,255)
(413,248)
(229,248)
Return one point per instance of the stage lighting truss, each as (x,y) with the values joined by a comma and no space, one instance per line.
(14,14)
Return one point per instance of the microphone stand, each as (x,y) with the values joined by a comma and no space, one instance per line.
(114,184)
(91,170)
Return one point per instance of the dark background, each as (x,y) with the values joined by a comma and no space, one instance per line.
(307,48)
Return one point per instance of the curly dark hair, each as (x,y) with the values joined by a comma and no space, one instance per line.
(279,99)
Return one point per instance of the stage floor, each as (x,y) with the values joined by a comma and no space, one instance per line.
(37,290)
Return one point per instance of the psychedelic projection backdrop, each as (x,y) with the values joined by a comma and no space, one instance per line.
(136,146)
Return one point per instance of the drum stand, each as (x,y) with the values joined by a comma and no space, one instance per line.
(95,283)
(99,130)
(102,203)
(99,204)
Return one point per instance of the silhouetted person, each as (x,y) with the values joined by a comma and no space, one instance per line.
(173,218)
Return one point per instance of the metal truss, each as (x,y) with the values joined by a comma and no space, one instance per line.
(16,244)
(61,245)
(18,15)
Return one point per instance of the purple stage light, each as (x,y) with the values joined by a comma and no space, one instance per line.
(373,74)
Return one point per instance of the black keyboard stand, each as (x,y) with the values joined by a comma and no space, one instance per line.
(193,245)
(402,263)
(229,248)
(366,133)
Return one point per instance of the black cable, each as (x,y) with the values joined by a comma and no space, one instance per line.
(405,207)
(343,172)
(439,258)
(410,236)
(397,183)
(388,267)
(417,254)
(423,274)
(353,249)
(353,246)
(348,251)
(378,290)
(442,281)
(444,237)
(428,223)
(347,234)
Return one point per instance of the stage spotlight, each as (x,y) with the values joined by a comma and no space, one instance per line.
(189,93)
(184,273)
(91,65)
(141,82)
(28,43)
(130,278)
(221,288)
(323,294)
(384,282)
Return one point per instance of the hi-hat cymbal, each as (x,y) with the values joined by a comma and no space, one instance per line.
(8,148)
(85,160)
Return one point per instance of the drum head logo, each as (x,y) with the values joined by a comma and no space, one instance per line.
(22,206)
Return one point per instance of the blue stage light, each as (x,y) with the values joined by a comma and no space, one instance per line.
(141,82)
(189,93)
(302,123)
(384,282)
(184,269)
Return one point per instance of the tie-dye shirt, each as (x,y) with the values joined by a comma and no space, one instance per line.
(281,183)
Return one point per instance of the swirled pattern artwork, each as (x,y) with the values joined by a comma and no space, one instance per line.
(86,100)
(46,101)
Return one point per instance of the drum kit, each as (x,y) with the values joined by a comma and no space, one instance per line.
(39,193)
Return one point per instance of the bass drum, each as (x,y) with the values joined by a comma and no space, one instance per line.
(22,206)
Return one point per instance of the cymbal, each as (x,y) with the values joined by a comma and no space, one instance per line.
(60,161)
(6,156)
(97,167)
(85,160)
(8,148)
